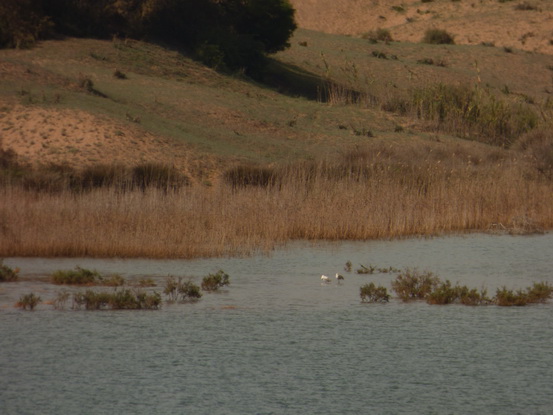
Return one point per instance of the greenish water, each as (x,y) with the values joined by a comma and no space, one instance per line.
(277,341)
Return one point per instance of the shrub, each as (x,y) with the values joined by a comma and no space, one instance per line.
(7,274)
(438,37)
(157,175)
(78,276)
(526,6)
(100,175)
(179,290)
(213,282)
(470,111)
(370,293)
(244,176)
(28,301)
(211,55)
(412,285)
(374,36)
(119,75)
(22,23)
(538,144)
(379,55)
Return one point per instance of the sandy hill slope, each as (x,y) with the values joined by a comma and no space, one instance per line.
(520,24)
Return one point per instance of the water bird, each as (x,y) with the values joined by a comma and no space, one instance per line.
(339,277)
(324,278)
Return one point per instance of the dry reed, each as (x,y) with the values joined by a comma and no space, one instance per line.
(365,198)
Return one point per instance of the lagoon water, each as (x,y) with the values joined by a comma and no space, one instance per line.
(277,341)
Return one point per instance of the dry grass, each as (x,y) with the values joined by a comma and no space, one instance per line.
(504,23)
(369,196)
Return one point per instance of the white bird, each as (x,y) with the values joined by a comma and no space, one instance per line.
(339,277)
(324,278)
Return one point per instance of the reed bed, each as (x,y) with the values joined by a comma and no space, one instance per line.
(362,199)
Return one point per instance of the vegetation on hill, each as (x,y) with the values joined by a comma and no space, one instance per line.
(229,34)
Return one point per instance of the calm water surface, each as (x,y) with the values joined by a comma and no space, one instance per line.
(276,341)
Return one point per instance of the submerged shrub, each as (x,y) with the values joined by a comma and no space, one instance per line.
(118,300)
(505,297)
(78,276)
(366,270)
(540,292)
(475,297)
(213,282)
(179,290)
(347,266)
(28,301)
(90,300)
(370,293)
(7,274)
(112,280)
(537,293)
(130,300)
(60,300)
(83,276)
(445,293)
(146,282)
(412,285)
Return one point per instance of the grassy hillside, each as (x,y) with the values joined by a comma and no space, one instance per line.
(63,103)
(389,137)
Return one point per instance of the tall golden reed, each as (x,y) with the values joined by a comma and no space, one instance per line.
(327,201)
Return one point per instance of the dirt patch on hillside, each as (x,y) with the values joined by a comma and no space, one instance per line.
(64,136)
(526,25)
